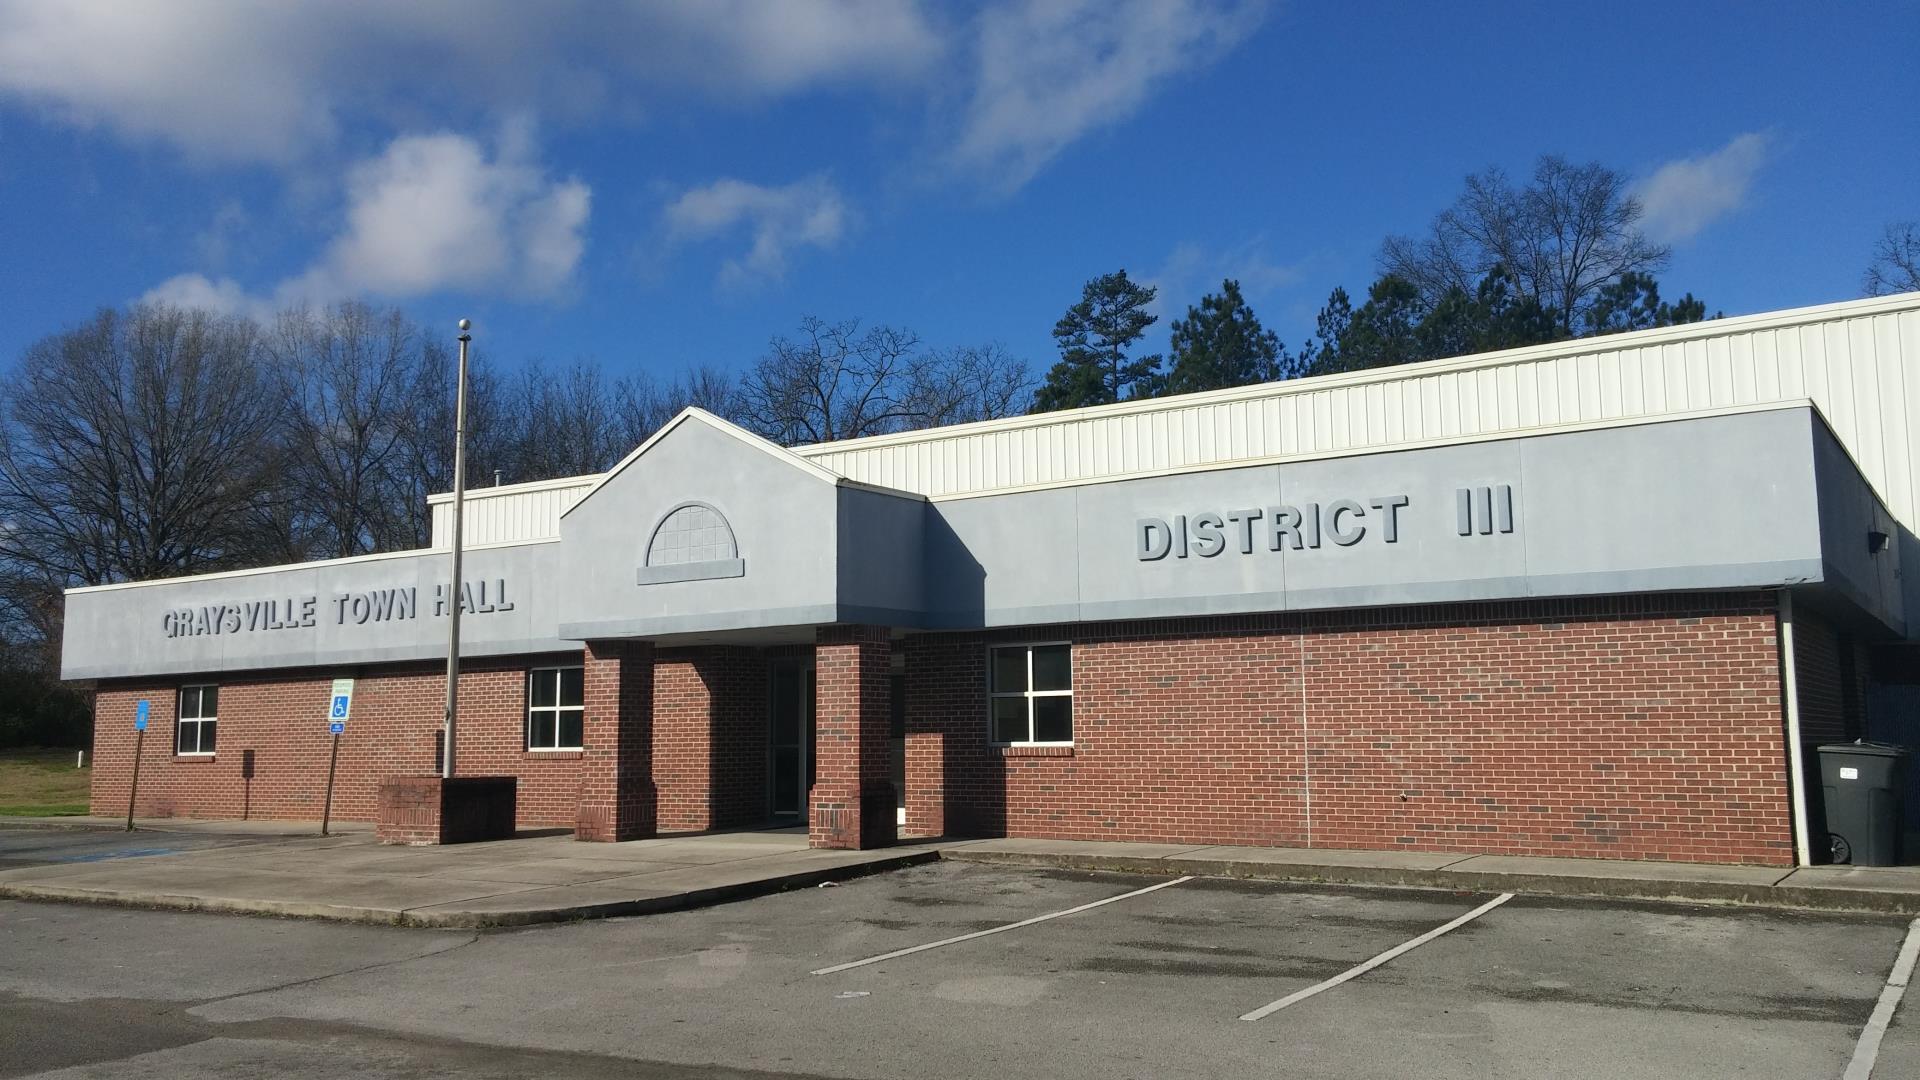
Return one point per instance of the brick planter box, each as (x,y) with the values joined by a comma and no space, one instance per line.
(432,810)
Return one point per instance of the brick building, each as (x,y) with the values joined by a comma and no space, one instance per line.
(1592,599)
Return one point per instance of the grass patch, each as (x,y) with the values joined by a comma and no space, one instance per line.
(42,783)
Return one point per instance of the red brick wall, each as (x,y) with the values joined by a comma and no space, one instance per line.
(1832,672)
(1819,672)
(1638,728)
(281,716)
(852,737)
(617,797)
(710,737)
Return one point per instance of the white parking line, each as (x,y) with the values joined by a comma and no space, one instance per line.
(1361,969)
(1000,929)
(1868,1048)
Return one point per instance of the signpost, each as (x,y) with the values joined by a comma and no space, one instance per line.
(141,711)
(338,708)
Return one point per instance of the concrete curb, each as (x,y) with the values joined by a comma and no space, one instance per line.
(656,905)
(456,919)
(81,823)
(1792,897)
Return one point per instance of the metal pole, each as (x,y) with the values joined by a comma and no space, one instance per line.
(1796,755)
(454,593)
(139,742)
(326,809)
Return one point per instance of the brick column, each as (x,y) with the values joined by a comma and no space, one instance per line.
(851,804)
(616,768)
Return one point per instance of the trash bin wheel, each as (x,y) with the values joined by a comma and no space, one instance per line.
(1841,851)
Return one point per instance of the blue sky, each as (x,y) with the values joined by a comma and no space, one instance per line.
(666,184)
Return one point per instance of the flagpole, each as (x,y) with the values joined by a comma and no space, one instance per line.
(455,594)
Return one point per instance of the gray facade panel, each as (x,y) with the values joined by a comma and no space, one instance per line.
(1849,512)
(1750,500)
(881,543)
(363,611)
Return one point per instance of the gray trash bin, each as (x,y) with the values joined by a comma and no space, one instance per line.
(1862,782)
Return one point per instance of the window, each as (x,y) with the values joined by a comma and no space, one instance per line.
(1031,698)
(199,717)
(556,707)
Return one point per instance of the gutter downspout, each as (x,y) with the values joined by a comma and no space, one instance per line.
(1796,759)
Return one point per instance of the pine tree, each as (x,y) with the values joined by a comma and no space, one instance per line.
(1094,336)
(1221,343)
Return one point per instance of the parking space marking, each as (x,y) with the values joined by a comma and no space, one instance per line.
(1867,1050)
(1361,969)
(1000,929)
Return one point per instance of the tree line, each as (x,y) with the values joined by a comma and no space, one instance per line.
(156,442)
(1508,264)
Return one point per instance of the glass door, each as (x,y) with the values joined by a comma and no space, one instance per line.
(790,760)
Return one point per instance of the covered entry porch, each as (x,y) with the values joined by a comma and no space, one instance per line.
(719,731)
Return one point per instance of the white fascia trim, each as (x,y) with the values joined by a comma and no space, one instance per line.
(497,490)
(381,556)
(1389,448)
(881,489)
(745,437)
(1711,328)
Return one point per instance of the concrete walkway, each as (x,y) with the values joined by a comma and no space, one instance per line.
(530,879)
(286,868)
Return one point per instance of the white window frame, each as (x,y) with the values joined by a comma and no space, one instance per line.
(199,723)
(1029,693)
(526,734)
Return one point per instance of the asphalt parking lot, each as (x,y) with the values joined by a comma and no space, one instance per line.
(1154,984)
(41,847)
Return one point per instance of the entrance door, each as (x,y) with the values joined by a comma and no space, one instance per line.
(791,756)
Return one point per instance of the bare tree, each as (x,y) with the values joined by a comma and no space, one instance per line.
(569,421)
(646,404)
(493,433)
(356,376)
(138,445)
(975,382)
(836,381)
(1896,261)
(1560,239)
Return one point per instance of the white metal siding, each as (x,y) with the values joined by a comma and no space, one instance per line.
(500,519)
(1859,363)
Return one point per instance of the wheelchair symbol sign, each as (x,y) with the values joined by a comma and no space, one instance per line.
(342,701)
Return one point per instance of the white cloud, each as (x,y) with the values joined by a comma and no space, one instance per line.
(1192,270)
(286,83)
(1050,72)
(431,213)
(276,81)
(806,213)
(1685,196)
(225,296)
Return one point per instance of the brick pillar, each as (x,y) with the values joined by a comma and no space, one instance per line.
(851,788)
(932,734)
(616,768)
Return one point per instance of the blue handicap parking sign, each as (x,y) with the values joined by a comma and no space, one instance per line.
(140,713)
(336,727)
(340,703)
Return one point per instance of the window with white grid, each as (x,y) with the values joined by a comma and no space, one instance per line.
(199,719)
(556,708)
(1030,696)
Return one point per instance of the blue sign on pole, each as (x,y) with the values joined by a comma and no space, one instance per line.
(141,711)
(336,727)
(340,704)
